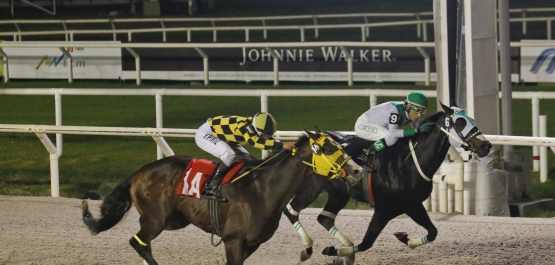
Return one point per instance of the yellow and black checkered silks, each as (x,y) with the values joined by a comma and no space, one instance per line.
(237,129)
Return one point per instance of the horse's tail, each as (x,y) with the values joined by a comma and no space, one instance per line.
(112,210)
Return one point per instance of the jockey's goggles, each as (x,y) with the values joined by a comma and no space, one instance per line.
(417,109)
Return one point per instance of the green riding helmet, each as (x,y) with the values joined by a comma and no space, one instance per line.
(417,101)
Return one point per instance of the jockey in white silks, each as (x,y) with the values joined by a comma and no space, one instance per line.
(384,123)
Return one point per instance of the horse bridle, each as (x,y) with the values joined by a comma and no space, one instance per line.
(462,139)
(322,163)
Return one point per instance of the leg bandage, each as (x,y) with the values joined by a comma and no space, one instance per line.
(307,241)
(140,241)
(328,214)
(341,237)
(291,211)
(417,242)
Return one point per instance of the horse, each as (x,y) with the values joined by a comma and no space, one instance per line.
(255,205)
(397,185)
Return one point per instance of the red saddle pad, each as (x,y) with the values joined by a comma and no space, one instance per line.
(197,174)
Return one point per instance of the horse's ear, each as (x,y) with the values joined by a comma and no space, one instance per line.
(446,109)
(317,130)
(311,135)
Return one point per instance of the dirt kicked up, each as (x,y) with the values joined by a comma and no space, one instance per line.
(46,230)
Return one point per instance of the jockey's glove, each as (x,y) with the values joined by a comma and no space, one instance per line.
(425,127)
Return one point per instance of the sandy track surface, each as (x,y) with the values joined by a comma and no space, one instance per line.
(46,230)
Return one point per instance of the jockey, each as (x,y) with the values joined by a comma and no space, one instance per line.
(382,123)
(222,137)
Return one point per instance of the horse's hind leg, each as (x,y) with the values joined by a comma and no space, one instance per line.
(377,224)
(150,229)
(419,215)
(336,201)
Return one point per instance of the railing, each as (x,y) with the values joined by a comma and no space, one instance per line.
(260,24)
(364,28)
(158,133)
(373,94)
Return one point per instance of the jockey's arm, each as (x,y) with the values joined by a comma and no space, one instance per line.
(256,141)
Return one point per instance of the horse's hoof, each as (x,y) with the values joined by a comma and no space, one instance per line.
(402,236)
(330,251)
(306,254)
(349,260)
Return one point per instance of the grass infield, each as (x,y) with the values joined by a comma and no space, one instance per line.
(92,165)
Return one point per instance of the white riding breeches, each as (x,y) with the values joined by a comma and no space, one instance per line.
(215,146)
(372,131)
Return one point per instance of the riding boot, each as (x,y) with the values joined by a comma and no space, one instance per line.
(372,151)
(212,190)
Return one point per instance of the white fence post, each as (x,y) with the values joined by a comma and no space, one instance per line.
(58,107)
(54,169)
(159,122)
(264,108)
(543,149)
(5,66)
(535,132)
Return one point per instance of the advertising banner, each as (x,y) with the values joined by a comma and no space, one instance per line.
(537,64)
(295,64)
(52,63)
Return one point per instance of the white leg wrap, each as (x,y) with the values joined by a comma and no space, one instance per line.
(346,251)
(337,234)
(328,214)
(291,211)
(417,242)
(307,241)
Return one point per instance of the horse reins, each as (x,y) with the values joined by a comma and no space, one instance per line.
(259,165)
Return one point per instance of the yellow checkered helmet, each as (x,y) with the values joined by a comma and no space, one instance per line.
(264,124)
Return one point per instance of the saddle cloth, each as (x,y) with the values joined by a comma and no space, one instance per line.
(197,174)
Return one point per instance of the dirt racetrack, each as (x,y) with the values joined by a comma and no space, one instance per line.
(46,230)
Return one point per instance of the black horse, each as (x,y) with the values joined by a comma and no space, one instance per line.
(252,214)
(398,183)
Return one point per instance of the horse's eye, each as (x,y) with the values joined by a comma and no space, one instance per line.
(329,149)
(461,123)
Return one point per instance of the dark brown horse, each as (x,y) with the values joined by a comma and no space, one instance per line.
(255,205)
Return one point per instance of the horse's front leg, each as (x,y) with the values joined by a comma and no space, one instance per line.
(312,187)
(336,201)
(419,215)
(234,252)
(293,217)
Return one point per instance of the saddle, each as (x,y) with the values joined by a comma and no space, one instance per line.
(198,173)
(354,146)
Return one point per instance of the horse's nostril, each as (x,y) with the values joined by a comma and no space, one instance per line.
(485,145)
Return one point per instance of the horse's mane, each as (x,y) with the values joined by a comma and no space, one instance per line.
(433,118)
(403,142)
(277,157)
(271,161)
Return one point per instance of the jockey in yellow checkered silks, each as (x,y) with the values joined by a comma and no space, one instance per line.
(222,136)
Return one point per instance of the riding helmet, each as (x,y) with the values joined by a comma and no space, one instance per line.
(264,124)
(418,101)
